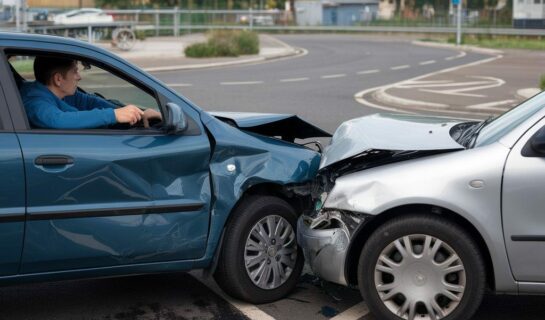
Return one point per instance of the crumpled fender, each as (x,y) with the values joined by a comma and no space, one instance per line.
(241,160)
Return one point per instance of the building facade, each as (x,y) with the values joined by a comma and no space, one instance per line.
(335,12)
(529,14)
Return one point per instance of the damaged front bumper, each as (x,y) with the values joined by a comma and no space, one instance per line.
(325,240)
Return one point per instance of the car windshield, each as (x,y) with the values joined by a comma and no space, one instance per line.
(506,122)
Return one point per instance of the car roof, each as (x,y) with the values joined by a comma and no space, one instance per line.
(38,38)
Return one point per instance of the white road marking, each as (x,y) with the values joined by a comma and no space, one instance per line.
(353,313)
(238,83)
(492,106)
(405,66)
(359,95)
(333,76)
(368,71)
(179,84)
(293,79)
(460,55)
(406,102)
(423,63)
(249,310)
(492,83)
(442,84)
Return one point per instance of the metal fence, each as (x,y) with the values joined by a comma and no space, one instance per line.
(175,22)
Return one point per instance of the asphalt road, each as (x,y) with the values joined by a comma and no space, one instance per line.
(318,86)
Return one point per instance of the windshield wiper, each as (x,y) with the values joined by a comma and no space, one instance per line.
(469,137)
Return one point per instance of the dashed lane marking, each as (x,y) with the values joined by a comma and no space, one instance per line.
(423,63)
(333,76)
(353,313)
(294,79)
(249,310)
(238,83)
(179,85)
(368,71)
(405,66)
(458,56)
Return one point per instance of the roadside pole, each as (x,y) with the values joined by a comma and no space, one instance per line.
(458,3)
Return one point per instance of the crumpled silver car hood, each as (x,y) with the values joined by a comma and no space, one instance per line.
(389,132)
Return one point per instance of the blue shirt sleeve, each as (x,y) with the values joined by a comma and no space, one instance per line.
(45,114)
(85,101)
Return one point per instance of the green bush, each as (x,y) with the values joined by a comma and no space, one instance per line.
(225,43)
(542,83)
(199,50)
(248,42)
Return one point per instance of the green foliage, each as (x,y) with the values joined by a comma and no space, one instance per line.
(542,82)
(225,43)
(140,34)
(502,42)
(247,42)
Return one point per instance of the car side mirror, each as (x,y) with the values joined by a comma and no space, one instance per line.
(176,121)
(538,142)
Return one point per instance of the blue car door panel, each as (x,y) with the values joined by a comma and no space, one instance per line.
(12,204)
(114,199)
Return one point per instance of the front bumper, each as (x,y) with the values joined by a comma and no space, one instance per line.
(325,250)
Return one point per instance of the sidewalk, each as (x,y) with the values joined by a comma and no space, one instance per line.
(167,53)
(475,91)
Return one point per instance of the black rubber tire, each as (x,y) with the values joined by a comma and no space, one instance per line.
(231,272)
(450,233)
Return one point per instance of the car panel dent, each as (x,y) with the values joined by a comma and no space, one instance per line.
(288,126)
(257,159)
(427,181)
(389,132)
(441,181)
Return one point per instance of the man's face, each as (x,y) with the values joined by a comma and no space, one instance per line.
(68,83)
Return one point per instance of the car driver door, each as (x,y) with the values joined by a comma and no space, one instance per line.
(115,196)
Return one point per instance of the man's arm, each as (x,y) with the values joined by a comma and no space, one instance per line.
(85,101)
(45,114)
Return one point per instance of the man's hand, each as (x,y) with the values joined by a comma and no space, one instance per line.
(128,114)
(150,114)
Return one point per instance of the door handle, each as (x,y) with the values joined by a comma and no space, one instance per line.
(53,160)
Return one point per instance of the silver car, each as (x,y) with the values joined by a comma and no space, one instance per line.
(423,214)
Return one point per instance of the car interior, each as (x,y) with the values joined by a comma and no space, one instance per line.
(98,81)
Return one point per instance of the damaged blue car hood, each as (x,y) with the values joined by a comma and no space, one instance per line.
(288,126)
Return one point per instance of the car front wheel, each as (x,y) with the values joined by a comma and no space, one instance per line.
(421,267)
(260,261)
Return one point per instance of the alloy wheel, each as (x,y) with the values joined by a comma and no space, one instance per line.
(270,252)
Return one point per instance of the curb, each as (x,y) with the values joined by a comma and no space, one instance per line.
(295,52)
(288,52)
(455,47)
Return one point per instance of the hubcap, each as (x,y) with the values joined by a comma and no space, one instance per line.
(420,277)
(270,252)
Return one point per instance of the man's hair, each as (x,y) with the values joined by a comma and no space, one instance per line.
(46,67)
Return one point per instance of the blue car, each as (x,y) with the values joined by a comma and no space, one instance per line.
(220,192)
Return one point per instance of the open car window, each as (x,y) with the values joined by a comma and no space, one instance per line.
(95,80)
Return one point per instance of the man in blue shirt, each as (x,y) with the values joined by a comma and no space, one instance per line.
(53,101)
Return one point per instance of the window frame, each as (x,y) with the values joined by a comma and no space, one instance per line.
(23,126)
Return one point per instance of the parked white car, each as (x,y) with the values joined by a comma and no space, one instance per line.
(83,16)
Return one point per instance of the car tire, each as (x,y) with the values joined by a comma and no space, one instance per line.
(249,249)
(423,261)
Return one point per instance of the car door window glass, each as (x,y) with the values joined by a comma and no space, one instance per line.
(94,80)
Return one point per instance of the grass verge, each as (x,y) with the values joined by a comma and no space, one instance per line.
(503,42)
(225,43)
